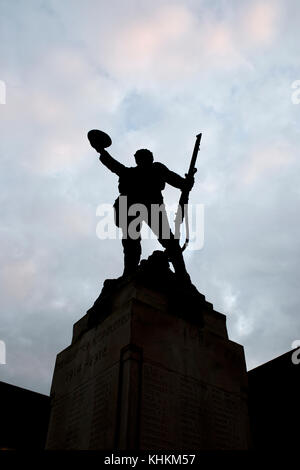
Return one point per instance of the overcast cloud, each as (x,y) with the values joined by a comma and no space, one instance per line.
(152,74)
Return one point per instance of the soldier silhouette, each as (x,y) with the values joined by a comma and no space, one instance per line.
(143,185)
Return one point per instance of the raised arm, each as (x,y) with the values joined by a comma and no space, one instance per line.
(111,163)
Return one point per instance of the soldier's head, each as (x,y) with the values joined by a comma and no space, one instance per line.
(143,157)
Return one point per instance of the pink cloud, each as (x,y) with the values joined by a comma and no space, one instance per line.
(260,21)
(171,45)
(143,41)
(264,160)
(18,278)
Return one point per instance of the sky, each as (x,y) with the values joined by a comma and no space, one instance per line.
(152,74)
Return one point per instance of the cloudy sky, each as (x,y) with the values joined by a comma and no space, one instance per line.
(152,74)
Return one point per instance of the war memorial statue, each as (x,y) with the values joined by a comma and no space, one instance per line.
(140,190)
(150,366)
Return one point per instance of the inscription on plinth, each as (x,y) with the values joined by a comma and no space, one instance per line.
(184,413)
(85,390)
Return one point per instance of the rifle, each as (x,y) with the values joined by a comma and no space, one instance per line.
(184,198)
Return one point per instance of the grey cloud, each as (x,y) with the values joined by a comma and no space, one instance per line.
(61,69)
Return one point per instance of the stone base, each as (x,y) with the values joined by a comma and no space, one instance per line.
(150,367)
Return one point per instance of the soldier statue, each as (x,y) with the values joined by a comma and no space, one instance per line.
(142,185)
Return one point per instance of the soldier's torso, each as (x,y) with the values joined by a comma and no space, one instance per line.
(143,185)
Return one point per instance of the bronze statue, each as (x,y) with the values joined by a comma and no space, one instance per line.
(141,186)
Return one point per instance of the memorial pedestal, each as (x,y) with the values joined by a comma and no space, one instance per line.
(150,367)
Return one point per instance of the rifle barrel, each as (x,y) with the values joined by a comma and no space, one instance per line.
(195,153)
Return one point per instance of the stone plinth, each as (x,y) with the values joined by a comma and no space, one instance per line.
(150,367)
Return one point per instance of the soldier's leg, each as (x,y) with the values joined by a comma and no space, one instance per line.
(132,250)
(131,246)
(175,255)
(132,255)
(160,226)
